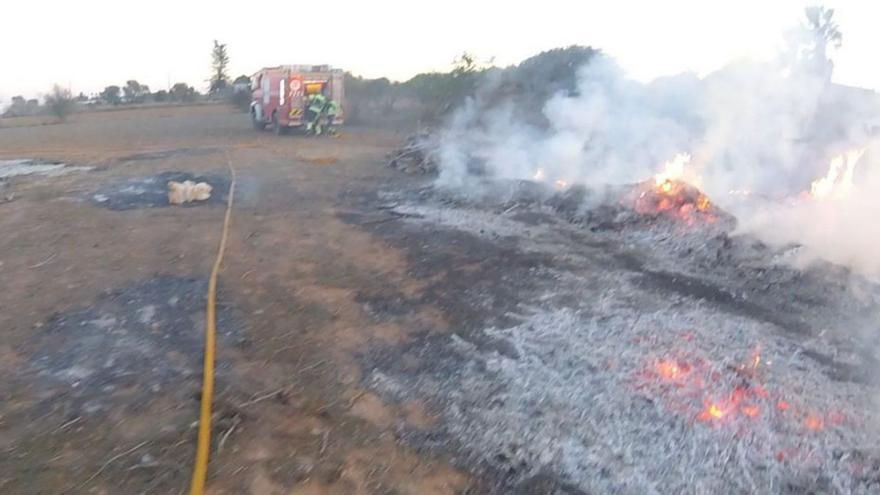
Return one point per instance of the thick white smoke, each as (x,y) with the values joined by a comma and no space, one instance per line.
(765,128)
(841,229)
(611,132)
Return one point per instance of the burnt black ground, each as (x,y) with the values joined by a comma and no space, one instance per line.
(152,191)
(165,154)
(143,337)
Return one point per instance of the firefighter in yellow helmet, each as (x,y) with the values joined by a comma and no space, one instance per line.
(314,112)
(332,111)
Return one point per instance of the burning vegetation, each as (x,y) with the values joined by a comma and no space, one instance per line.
(670,194)
(757,395)
(770,390)
(838,182)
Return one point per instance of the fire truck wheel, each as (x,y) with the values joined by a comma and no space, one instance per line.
(277,128)
(258,124)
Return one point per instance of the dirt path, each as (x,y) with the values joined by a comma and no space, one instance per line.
(101,313)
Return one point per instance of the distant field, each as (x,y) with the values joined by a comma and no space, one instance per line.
(147,110)
(100,136)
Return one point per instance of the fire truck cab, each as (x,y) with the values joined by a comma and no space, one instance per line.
(279,94)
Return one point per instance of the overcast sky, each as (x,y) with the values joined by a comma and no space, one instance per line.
(89,44)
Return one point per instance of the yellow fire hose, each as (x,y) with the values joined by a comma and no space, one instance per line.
(203,449)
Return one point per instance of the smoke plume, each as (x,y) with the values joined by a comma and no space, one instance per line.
(765,130)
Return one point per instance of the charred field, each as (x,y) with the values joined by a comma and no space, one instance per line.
(379,334)
(607,342)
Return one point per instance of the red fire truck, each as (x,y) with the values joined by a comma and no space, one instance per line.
(279,94)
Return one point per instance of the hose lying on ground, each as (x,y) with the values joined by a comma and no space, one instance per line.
(203,448)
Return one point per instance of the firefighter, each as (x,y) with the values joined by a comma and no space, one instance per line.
(332,110)
(314,112)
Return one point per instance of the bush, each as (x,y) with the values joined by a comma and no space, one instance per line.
(111,95)
(241,100)
(60,102)
(428,98)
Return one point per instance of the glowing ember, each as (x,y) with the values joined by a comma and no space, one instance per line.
(838,182)
(561,184)
(760,391)
(750,369)
(703,203)
(670,370)
(539,175)
(814,422)
(750,411)
(712,412)
(722,402)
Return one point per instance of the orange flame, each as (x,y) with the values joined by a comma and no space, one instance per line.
(838,181)
(703,203)
(673,170)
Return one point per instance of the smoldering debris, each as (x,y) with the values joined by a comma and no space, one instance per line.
(587,397)
(709,322)
(757,129)
(658,353)
(416,156)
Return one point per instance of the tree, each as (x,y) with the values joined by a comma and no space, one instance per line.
(60,102)
(160,96)
(135,92)
(110,95)
(219,61)
(242,79)
(810,44)
(17,108)
(820,22)
(183,92)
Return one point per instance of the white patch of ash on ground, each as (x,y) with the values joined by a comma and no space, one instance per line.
(572,404)
(579,398)
(12,168)
(481,222)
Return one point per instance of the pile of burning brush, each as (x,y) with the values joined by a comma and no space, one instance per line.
(667,196)
(675,199)
(416,156)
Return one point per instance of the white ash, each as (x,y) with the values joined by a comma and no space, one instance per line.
(573,399)
(569,404)
(12,168)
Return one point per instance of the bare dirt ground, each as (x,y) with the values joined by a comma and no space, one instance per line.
(101,313)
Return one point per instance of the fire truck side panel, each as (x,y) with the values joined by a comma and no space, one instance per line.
(281,92)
